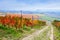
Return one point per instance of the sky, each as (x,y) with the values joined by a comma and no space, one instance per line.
(31,5)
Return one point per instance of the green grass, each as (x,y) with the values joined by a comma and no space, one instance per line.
(43,35)
(37,27)
(9,32)
(56,33)
(16,34)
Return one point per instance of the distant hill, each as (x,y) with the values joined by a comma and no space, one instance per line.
(48,15)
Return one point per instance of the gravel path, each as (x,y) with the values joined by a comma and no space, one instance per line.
(36,33)
(31,37)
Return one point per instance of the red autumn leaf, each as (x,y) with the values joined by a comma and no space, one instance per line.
(12,22)
(5,21)
(29,24)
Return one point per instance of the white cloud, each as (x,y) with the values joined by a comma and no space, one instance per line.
(13,5)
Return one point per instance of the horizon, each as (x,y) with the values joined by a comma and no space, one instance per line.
(51,7)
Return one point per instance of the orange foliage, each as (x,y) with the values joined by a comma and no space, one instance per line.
(17,21)
(57,24)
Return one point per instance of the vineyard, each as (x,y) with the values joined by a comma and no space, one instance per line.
(14,27)
(56,27)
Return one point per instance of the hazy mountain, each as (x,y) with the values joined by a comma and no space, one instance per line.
(49,13)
